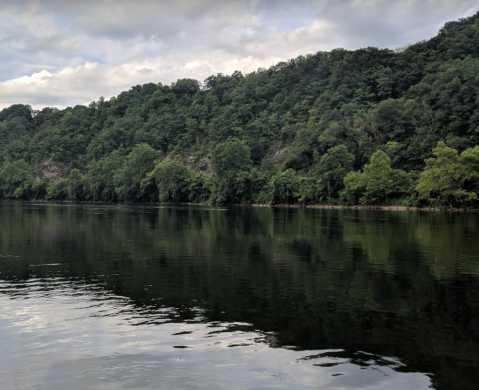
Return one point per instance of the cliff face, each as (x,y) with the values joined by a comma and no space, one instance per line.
(51,169)
(205,166)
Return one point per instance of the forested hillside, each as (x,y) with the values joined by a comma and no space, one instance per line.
(370,126)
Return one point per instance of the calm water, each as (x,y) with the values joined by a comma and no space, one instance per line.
(119,297)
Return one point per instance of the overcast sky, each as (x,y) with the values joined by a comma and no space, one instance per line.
(64,52)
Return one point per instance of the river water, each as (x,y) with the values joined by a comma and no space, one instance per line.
(129,297)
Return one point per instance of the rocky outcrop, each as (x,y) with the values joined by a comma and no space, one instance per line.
(277,154)
(51,169)
(205,166)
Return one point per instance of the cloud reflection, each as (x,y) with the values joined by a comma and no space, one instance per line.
(56,333)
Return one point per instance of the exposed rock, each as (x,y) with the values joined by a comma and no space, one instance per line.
(205,166)
(51,169)
(278,155)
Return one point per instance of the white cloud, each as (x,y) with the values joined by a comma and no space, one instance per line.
(41,77)
(83,83)
(56,52)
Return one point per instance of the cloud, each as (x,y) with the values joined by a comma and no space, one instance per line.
(384,23)
(84,83)
(83,50)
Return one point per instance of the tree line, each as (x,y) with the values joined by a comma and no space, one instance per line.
(145,175)
(369,126)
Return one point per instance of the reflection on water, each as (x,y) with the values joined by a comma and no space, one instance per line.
(111,297)
(58,334)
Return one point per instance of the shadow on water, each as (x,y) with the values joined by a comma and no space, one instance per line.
(391,292)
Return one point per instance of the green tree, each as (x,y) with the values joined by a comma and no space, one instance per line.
(57,189)
(354,187)
(470,161)
(285,187)
(128,178)
(99,179)
(261,183)
(442,178)
(232,164)
(16,179)
(75,185)
(199,187)
(377,183)
(379,178)
(307,190)
(40,188)
(172,179)
(332,169)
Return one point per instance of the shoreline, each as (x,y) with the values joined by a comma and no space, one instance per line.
(377,208)
(255,205)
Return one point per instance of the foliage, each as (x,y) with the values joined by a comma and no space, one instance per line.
(74,184)
(232,164)
(442,179)
(57,190)
(172,179)
(99,179)
(378,182)
(292,133)
(285,186)
(16,180)
(137,164)
(470,161)
(332,169)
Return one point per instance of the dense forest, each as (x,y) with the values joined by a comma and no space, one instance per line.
(370,126)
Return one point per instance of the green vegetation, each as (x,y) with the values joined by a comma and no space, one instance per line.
(370,126)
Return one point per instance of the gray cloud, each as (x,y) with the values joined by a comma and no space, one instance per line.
(101,47)
(385,23)
(126,19)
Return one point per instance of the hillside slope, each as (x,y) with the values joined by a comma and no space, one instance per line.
(287,134)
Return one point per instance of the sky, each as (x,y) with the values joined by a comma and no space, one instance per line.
(58,53)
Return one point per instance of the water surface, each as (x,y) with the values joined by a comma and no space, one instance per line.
(127,297)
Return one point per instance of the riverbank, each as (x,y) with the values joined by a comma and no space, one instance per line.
(332,207)
(291,206)
(382,208)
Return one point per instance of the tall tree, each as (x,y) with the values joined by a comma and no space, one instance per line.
(172,179)
(378,182)
(16,179)
(332,169)
(232,163)
(442,179)
(128,178)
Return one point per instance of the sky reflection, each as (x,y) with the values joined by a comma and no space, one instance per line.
(58,333)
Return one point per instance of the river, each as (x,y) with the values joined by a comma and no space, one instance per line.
(159,297)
